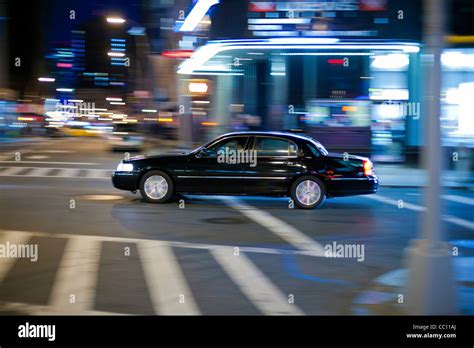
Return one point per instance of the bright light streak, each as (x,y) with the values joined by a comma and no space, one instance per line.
(115,20)
(197,13)
(279,20)
(207,52)
(67,90)
(466,105)
(113,99)
(389,94)
(75,100)
(452,96)
(64,65)
(458,60)
(136,31)
(116,54)
(149,110)
(391,61)
(117,103)
(165,119)
(46,79)
(198,87)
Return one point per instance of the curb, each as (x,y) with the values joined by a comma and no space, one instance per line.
(470,187)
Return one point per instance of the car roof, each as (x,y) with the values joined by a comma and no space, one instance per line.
(270,133)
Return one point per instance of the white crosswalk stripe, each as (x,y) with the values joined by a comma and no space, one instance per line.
(11,171)
(166,283)
(75,282)
(167,286)
(285,231)
(459,199)
(10,238)
(46,172)
(38,172)
(410,206)
(253,283)
(68,172)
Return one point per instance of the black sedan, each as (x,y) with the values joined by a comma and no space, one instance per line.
(250,163)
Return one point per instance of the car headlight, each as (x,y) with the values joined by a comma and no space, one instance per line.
(125,167)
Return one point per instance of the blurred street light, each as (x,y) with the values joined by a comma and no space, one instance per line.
(116,54)
(67,90)
(115,20)
(46,79)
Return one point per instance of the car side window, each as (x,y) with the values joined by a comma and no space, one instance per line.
(313,150)
(236,144)
(275,147)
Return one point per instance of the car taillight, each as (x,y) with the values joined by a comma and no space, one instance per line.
(368,168)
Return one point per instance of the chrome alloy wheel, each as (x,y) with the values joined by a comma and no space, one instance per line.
(156,187)
(308,192)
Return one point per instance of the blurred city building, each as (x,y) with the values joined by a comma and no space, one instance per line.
(347,71)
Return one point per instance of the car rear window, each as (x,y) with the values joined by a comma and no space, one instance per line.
(275,147)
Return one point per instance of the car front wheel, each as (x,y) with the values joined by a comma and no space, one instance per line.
(156,187)
(308,192)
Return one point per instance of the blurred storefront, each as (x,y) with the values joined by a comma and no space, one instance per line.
(343,71)
(349,94)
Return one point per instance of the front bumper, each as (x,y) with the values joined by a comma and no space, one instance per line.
(125,180)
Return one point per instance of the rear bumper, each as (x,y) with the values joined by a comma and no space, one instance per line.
(125,180)
(352,186)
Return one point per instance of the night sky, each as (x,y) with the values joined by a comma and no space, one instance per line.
(59,25)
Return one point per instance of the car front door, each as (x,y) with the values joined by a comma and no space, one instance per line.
(216,168)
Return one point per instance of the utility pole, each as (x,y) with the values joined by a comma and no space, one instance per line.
(431,287)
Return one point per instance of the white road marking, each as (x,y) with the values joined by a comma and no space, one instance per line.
(12,171)
(37,157)
(31,309)
(38,172)
(77,275)
(452,219)
(201,246)
(459,199)
(460,222)
(166,282)
(13,238)
(41,172)
(390,201)
(254,284)
(46,162)
(98,173)
(68,172)
(285,231)
(56,151)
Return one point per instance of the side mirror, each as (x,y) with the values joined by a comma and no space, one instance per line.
(202,153)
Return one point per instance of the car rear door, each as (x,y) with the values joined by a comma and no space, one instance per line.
(277,161)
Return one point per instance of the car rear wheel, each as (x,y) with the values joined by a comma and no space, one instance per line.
(156,187)
(308,192)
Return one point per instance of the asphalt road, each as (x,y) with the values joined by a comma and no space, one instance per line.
(104,251)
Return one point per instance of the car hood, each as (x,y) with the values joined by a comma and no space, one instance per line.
(159,157)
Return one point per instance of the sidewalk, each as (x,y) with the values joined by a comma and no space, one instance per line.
(16,140)
(382,295)
(401,176)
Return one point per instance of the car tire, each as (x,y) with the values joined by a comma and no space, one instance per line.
(308,192)
(156,187)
